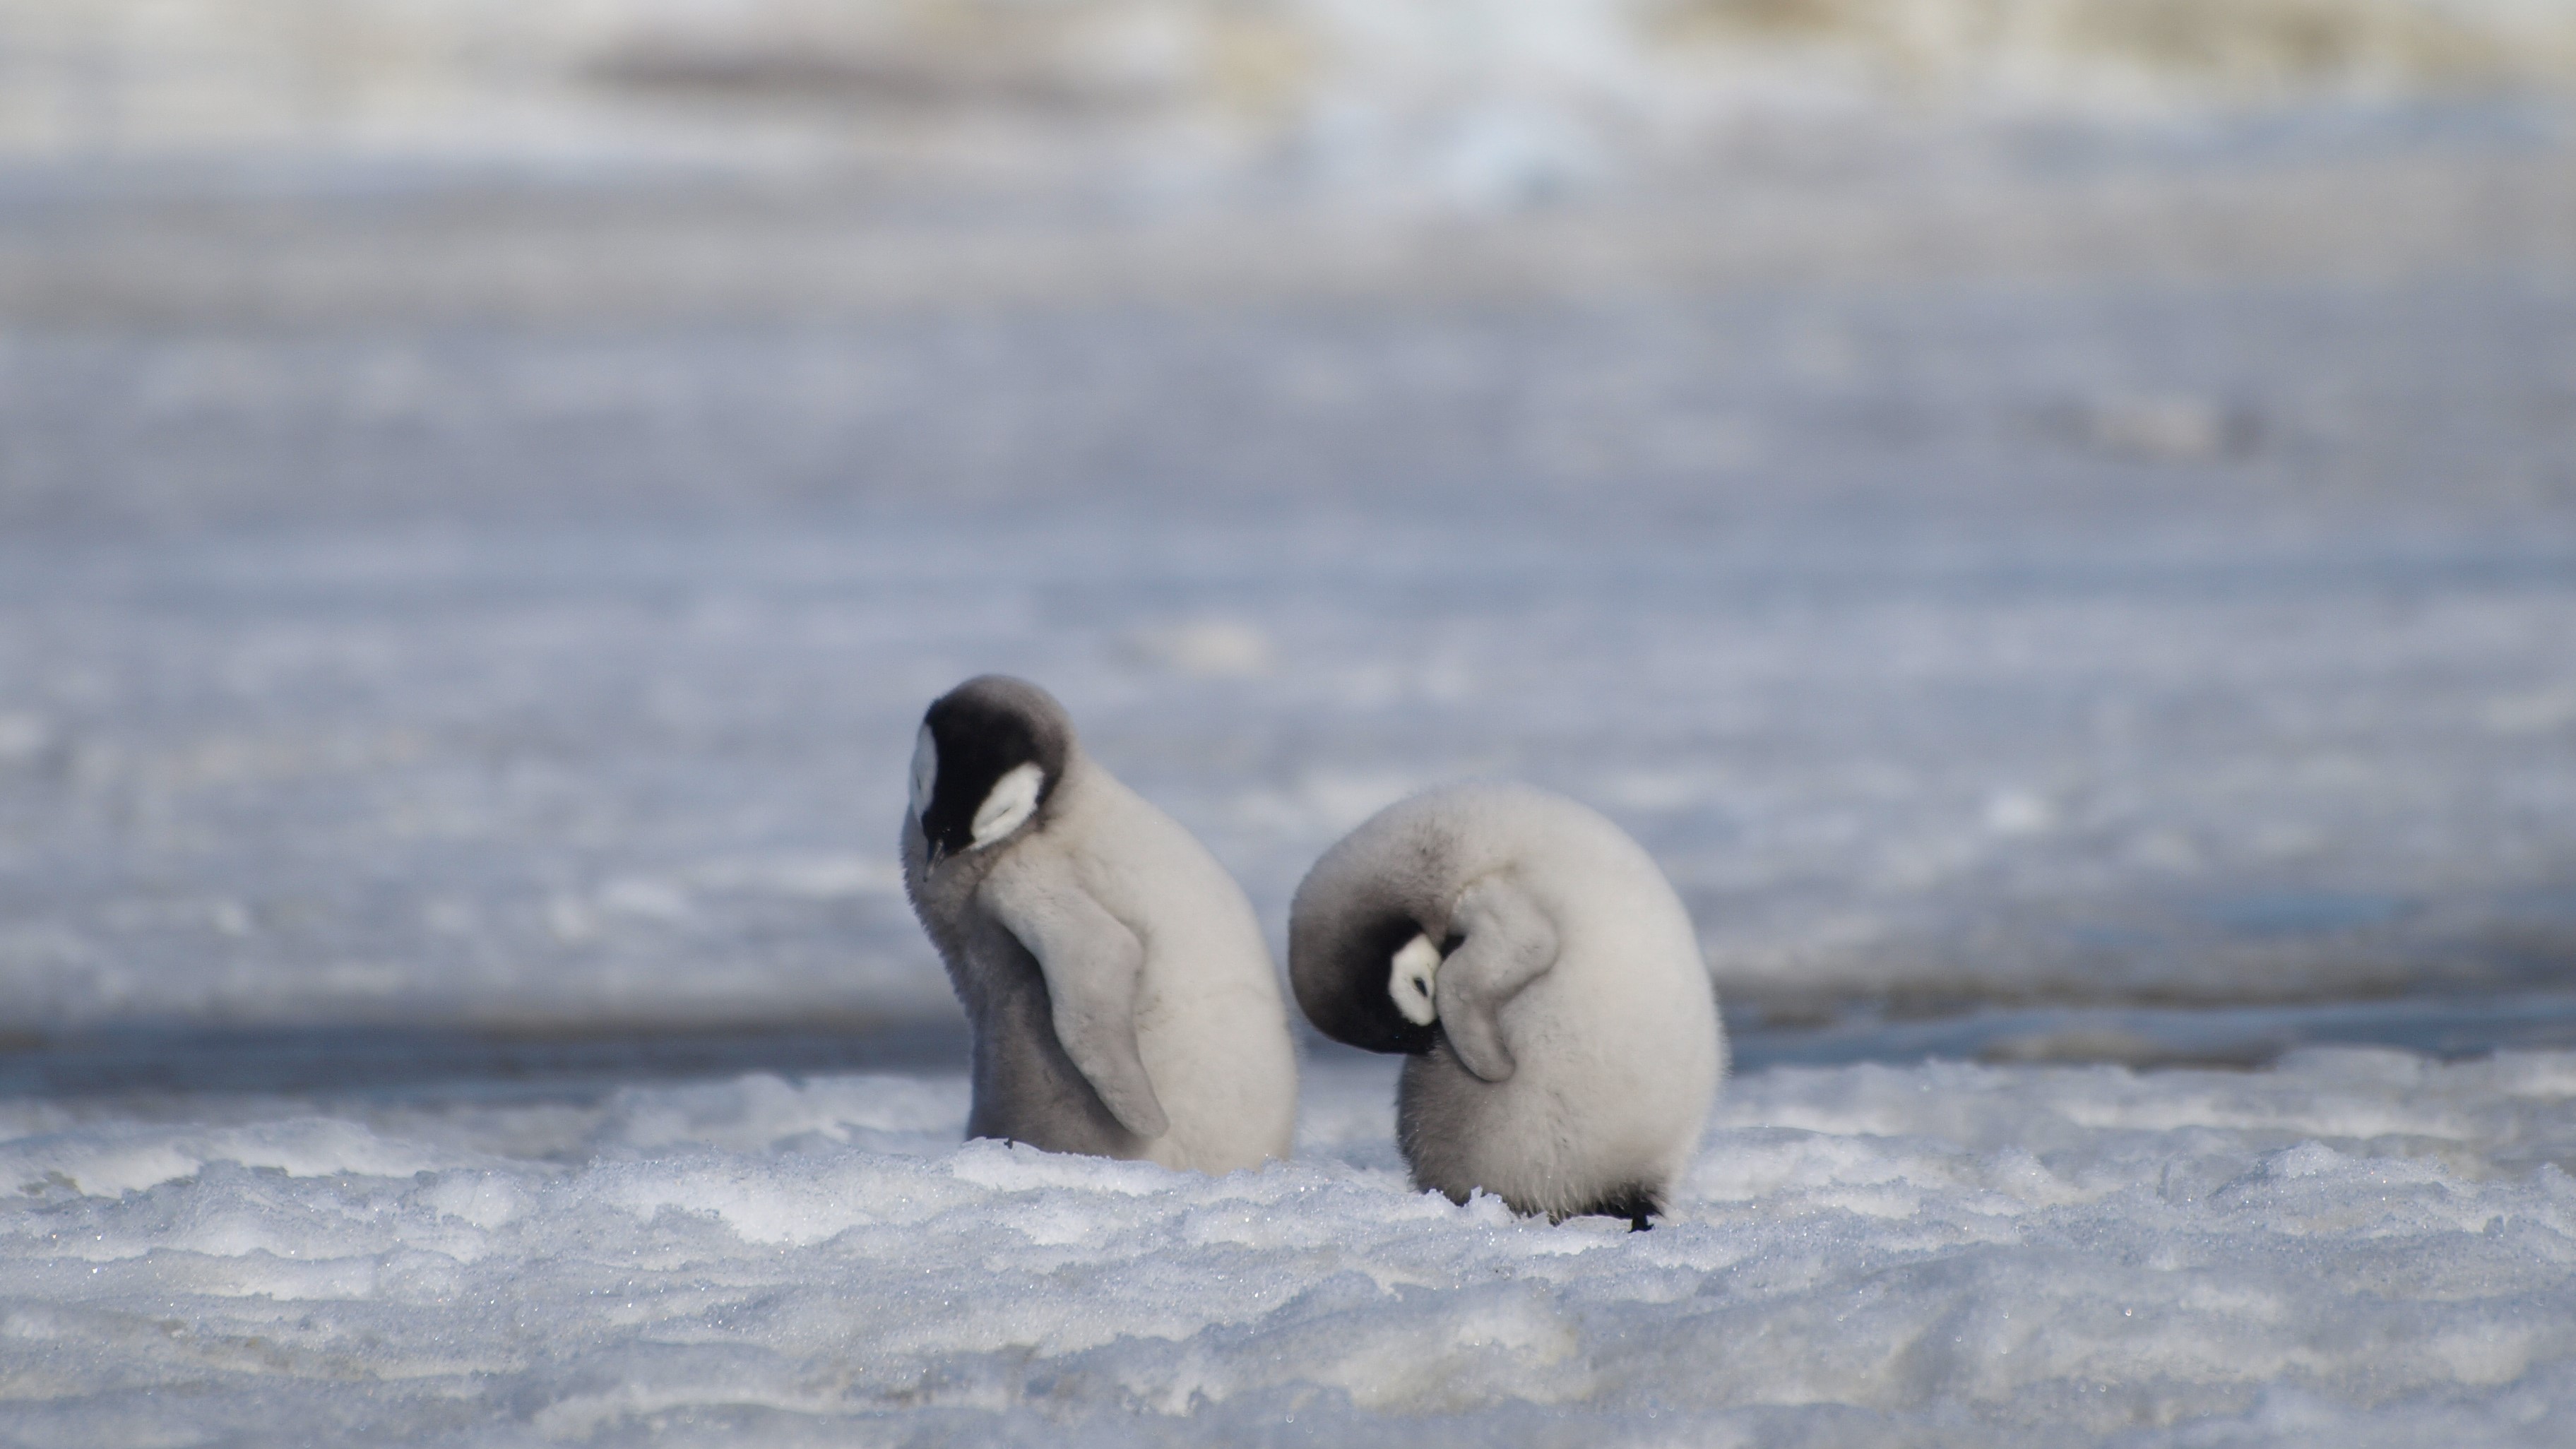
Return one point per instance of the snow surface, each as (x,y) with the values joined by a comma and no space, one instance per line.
(2357,1248)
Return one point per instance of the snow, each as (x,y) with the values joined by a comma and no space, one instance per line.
(2355,1247)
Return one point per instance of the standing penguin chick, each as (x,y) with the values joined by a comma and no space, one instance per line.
(1122,1000)
(1562,1033)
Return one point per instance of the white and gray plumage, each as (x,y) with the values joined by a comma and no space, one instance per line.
(1562,1032)
(1122,999)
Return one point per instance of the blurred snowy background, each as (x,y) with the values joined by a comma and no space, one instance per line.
(2021,504)
(2055,520)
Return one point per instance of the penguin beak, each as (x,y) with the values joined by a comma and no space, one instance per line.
(938,852)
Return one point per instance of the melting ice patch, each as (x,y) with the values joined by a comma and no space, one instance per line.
(2357,1247)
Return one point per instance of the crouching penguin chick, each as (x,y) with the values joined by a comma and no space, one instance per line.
(1122,1000)
(1562,1036)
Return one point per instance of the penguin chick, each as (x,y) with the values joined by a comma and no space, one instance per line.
(1562,1035)
(1121,998)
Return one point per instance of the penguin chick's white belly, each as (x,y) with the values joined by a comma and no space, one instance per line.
(1211,1029)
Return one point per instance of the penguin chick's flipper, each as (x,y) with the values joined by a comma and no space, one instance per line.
(1507,943)
(1092,964)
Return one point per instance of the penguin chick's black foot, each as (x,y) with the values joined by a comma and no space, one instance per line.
(1636,1204)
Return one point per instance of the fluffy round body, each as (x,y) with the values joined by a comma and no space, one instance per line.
(1102,919)
(1571,977)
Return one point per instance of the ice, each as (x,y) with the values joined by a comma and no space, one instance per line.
(2226,733)
(1962,732)
(2351,1247)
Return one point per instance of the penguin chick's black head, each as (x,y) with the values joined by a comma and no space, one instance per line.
(990,753)
(1339,971)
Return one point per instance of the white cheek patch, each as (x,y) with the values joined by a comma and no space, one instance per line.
(1410,981)
(925,771)
(1013,801)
